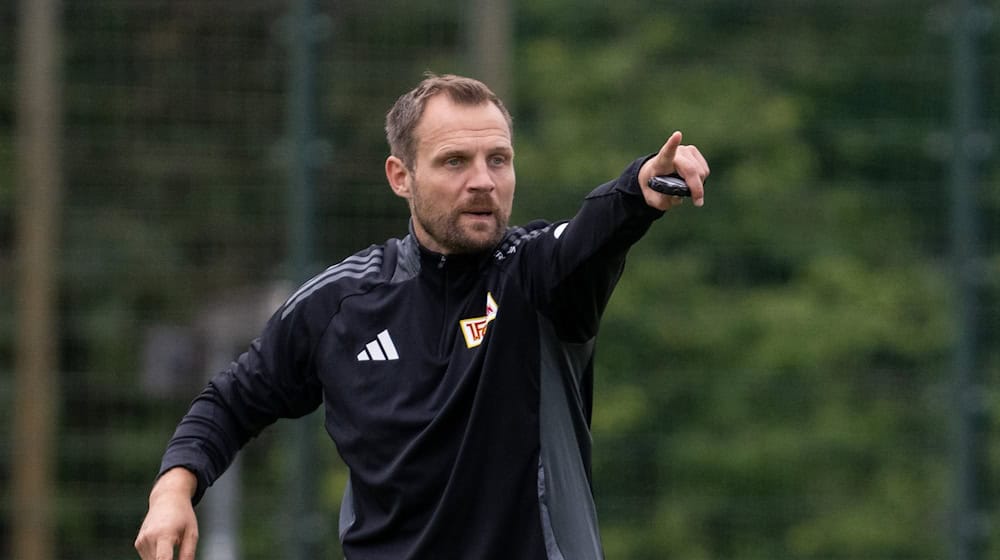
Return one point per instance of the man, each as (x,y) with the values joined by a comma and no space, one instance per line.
(454,364)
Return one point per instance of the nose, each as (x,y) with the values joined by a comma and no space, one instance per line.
(481,178)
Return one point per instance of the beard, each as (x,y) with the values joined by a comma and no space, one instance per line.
(454,230)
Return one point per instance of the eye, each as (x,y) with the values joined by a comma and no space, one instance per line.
(498,160)
(454,161)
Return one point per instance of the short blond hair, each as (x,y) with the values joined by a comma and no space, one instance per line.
(403,117)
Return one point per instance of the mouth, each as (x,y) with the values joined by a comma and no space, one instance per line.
(478,212)
(479,220)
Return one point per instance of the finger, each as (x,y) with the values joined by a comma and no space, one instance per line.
(669,150)
(691,160)
(693,167)
(165,549)
(697,192)
(695,179)
(188,546)
(701,161)
(145,548)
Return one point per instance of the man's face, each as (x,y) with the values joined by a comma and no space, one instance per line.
(461,187)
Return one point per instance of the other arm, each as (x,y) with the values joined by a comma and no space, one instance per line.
(272,380)
(170,521)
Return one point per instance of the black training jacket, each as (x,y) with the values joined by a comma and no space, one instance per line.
(457,389)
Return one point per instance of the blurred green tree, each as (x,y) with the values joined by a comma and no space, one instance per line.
(773,367)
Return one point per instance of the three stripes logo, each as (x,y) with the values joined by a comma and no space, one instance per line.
(380,349)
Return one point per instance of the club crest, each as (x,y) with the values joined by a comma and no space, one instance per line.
(474,330)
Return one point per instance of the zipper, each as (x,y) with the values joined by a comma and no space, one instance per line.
(443,347)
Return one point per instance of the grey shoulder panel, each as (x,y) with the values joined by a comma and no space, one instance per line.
(356,266)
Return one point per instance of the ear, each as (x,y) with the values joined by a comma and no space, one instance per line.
(397,173)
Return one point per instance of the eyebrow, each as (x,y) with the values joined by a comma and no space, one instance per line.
(452,152)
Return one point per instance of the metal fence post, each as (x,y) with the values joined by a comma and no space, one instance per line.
(971,146)
(36,381)
(304,29)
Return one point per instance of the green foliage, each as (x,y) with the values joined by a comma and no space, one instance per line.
(773,369)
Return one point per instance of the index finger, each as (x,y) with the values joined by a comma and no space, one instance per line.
(669,150)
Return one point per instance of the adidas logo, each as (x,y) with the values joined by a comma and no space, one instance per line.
(380,349)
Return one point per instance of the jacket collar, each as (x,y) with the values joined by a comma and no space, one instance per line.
(426,259)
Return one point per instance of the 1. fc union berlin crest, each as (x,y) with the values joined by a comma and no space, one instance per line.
(474,330)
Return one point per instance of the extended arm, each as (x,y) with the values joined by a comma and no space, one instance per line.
(572,271)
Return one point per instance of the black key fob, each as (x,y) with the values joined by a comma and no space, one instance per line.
(670,185)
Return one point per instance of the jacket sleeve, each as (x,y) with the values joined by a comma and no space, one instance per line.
(571,269)
(273,379)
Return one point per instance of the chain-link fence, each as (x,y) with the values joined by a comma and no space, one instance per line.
(828,137)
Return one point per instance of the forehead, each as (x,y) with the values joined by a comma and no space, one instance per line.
(445,122)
